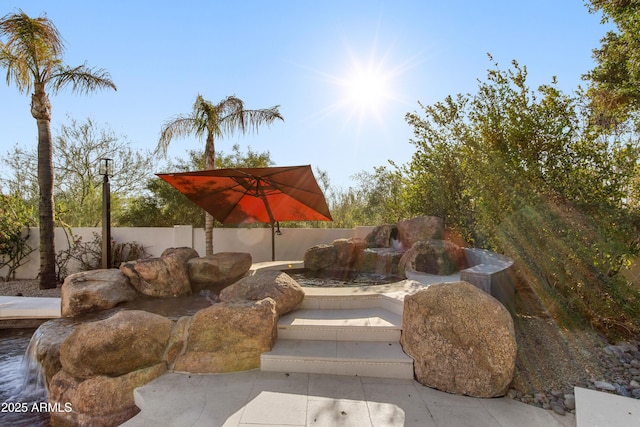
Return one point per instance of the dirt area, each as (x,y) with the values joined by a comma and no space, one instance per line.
(551,358)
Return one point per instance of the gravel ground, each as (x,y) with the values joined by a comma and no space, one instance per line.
(26,288)
(551,359)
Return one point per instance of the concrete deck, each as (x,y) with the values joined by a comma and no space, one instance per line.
(256,398)
(29,308)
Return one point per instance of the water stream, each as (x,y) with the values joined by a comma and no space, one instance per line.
(22,389)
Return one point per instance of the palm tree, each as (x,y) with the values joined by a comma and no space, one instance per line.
(32,55)
(214,121)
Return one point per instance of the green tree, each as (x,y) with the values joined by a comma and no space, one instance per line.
(79,146)
(164,206)
(615,80)
(522,172)
(215,121)
(381,195)
(32,54)
(15,218)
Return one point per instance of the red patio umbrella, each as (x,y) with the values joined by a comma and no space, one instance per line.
(250,195)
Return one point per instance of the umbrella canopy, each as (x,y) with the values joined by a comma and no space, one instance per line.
(250,195)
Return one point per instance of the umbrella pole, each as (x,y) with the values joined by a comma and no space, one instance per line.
(273,241)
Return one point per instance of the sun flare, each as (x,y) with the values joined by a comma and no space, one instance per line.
(366,89)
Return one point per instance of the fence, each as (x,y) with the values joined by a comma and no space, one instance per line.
(290,245)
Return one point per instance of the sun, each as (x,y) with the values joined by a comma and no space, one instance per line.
(366,89)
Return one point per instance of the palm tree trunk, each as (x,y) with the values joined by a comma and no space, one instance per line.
(208,233)
(209,163)
(41,111)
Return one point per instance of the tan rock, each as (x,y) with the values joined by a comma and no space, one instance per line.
(217,271)
(229,337)
(380,236)
(94,290)
(184,254)
(319,257)
(462,340)
(347,251)
(177,341)
(434,257)
(279,286)
(100,400)
(418,229)
(124,342)
(158,277)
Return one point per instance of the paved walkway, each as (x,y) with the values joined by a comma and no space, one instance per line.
(256,398)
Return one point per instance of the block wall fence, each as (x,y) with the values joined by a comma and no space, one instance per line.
(290,246)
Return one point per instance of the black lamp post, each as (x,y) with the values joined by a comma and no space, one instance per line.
(106,171)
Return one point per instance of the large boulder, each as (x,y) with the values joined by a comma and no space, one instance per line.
(319,257)
(380,236)
(94,290)
(347,251)
(462,340)
(279,286)
(122,343)
(159,277)
(419,229)
(183,253)
(434,257)
(100,400)
(217,271)
(229,337)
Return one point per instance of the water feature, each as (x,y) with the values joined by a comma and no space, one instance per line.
(22,384)
(22,388)
(340,279)
(173,307)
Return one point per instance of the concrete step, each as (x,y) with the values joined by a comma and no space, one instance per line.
(359,324)
(352,298)
(359,358)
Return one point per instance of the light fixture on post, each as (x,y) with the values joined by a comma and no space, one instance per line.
(278,232)
(106,171)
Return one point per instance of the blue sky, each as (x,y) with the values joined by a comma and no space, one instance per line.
(345,73)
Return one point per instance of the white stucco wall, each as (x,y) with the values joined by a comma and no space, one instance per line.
(289,246)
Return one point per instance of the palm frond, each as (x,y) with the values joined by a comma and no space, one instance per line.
(216,120)
(81,79)
(31,35)
(177,127)
(244,121)
(17,70)
(32,48)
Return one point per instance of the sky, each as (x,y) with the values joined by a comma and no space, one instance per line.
(344,73)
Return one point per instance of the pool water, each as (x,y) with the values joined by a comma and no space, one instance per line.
(17,394)
(340,279)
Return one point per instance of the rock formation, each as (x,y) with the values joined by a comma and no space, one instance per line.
(94,290)
(320,257)
(274,284)
(461,339)
(419,229)
(127,341)
(165,276)
(434,257)
(229,337)
(217,271)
